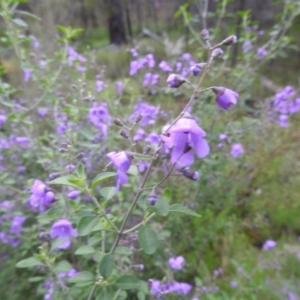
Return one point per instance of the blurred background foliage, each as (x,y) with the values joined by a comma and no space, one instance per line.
(243,201)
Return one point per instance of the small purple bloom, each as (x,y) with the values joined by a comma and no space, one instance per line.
(184,136)
(16,224)
(153,138)
(63,229)
(42,112)
(150,60)
(176,263)
(3,119)
(236,150)
(268,245)
(175,80)
(223,137)
(261,53)
(233,284)
(27,75)
(247,46)
(73,194)
(121,162)
(283,121)
(99,85)
(139,135)
(165,67)
(225,97)
(119,87)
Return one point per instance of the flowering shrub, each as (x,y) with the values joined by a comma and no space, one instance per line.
(99,175)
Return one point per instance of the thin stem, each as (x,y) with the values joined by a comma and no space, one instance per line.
(92,291)
(104,214)
(136,227)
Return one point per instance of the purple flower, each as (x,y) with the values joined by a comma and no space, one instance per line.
(247,46)
(196,70)
(165,67)
(73,194)
(181,288)
(119,87)
(155,79)
(223,136)
(99,85)
(42,112)
(121,162)
(99,117)
(149,113)
(283,121)
(233,284)
(134,67)
(153,138)
(184,136)
(63,229)
(34,41)
(69,274)
(186,56)
(150,60)
(236,150)
(261,53)
(16,224)
(27,75)
(40,197)
(268,245)
(176,263)
(175,80)
(225,97)
(81,69)
(139,135)
(155,287)
(147,79)
(3,119)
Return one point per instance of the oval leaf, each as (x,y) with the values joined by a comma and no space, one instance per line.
(161,207)
(148,239)
(101,177)
(68,180)
(107,265)
(85,250)
(104,295)
(108,192)
(122,250)
(87,224)
(82,277)
(182,209)
(127,282)
(29,262)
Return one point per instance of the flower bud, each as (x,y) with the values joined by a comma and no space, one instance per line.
(197,69)
(152,198)
(175,80)
(146,149)
(118,122)
(217,53)
(124,134)
(229,41)
(138,118)
(193,175)
(205,35)
(52,176)
(225,97)
(70,168)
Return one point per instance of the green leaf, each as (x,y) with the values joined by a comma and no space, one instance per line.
(182,209)
(94,240)
(36,279)
(101,177)
(122,250)
(148,239)
(104,295)
(85,250)
(141,296)
(82,277)
(20,22)
(87,224)
(108,192)
(62,267)
(161,207)
(128,282)
(139,156)
(133,170)
(80,171)
(22,12)
(29,262)
(68,180)
(107,265)
(56,243)
(167,194)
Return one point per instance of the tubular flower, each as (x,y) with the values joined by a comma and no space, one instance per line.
(121,162)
